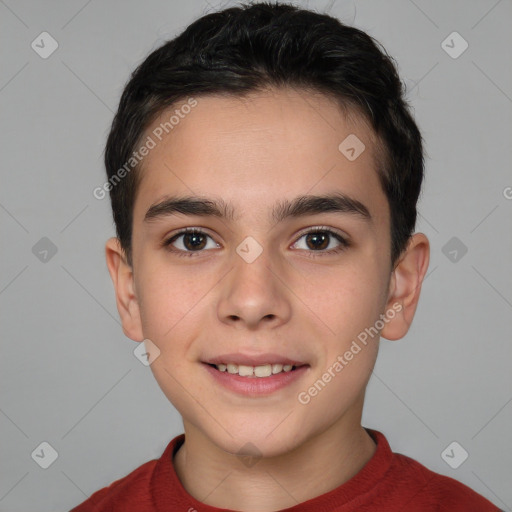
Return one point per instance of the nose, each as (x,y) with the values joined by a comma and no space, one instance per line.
(255,294)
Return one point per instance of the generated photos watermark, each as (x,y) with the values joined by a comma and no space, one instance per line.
(150,143)
(304,397)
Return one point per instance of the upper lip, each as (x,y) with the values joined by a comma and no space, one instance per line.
(253,360)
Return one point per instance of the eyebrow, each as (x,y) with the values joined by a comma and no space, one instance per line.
(298,207)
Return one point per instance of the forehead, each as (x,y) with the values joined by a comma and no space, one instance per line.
(257,149)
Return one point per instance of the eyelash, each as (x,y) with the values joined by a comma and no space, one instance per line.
(344,243)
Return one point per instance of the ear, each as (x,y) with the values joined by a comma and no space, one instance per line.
(405,286)
(122,277)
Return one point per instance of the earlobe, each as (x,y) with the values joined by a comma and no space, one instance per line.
(122,278)
(405,286)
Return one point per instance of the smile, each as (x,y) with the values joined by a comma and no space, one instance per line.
(255,381)
(264,370)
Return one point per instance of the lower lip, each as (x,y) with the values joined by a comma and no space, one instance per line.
(256,386)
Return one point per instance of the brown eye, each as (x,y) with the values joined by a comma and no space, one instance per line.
(318,240)
(194,241)
(188,242)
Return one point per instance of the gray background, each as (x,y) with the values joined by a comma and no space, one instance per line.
(68,374)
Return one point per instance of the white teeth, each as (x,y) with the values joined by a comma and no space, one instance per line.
(232,368)
(245,371)
(276,368)
(265,370)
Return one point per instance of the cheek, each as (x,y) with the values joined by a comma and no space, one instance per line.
(345,299)
(168,296)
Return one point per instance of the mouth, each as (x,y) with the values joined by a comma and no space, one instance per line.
(260,380)
(259,371)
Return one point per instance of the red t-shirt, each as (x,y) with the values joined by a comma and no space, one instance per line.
(389,482)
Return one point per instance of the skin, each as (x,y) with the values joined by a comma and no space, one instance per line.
(254,151)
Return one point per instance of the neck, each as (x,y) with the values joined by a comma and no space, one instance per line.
(324,462)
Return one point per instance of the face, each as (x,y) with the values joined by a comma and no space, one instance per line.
(256,281)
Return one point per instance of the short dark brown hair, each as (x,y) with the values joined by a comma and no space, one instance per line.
(248,48)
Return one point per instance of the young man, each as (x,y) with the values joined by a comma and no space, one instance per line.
(264,172)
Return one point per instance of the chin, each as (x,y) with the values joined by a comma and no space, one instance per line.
(254,440)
